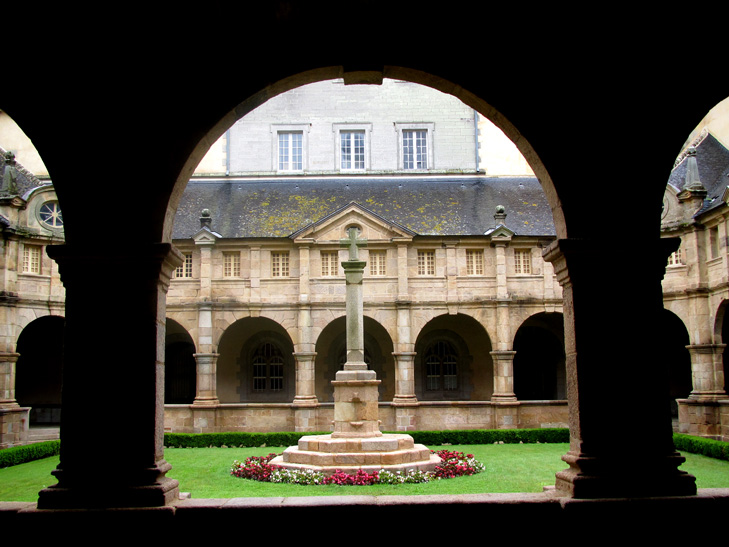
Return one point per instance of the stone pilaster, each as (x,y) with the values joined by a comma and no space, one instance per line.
(601,343)
(94,374)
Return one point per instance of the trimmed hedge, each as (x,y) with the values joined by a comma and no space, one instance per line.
(702,446)
(434,438)
(29,452)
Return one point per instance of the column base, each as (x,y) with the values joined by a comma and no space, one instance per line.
(613,477)
(111,493)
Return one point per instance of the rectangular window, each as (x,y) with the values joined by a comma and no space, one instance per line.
(474,262)
(714,242)
(523,261)
(426,262)
(352,150)
(675,259)
(290,151)
(280,264)
(32,259)
(415,149)
(185,269)
(377,263)
(231,264)
(329,263)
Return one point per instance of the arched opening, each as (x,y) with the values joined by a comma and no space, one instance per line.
(676,359)
(539,363)
(180,367)
(453,360)
(39,369)
(256,363)
(331,346)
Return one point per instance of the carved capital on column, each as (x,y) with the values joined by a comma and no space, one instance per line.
(79,265)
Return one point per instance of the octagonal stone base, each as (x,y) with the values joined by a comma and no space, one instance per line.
(327,454)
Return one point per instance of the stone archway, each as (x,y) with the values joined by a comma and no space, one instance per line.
(180,366)
(539,363)
(453,360)
(39,369)
(331,354)
(256,362)
(674,353)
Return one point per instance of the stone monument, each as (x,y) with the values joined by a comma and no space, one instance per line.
(356,441)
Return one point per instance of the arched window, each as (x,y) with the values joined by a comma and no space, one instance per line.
(268,368)
(441,367)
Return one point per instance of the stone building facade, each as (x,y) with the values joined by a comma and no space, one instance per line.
(455,272)
(463,317)
(695,286)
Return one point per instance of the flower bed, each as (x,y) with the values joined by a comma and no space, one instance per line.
(453,464)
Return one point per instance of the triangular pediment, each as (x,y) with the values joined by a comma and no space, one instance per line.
(333,227)
(206,236)
(500,232)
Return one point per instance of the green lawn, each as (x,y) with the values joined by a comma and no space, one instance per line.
(205,473)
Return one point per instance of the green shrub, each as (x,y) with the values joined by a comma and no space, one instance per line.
(231,439)
(702,446)
(434,438)
(20,454)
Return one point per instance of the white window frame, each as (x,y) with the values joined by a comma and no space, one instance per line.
(277,132)
(184,270)
(231,263)
(329,263)
(33,259)
(474,262)
(378,263)
(280,265)
(341,130)
(676,258)
(404,129)
(426,262)
(523,261)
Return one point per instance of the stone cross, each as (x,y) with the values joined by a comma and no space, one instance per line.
(353,243)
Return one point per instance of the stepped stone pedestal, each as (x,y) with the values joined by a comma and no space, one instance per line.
(356,441)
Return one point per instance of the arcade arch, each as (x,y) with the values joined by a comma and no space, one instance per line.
(255,362)
(453,360)
(180,367)
(331,348)
(39,369)
(539,362)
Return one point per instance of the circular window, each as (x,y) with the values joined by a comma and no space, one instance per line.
(50,214)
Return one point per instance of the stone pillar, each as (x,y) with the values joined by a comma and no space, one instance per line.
(14,419)
(207,391)
(355,386)
(503,376)
(306,404)
(405,402)
(604,344)
(707,369)
(95,374)
(305,379)
(7,379)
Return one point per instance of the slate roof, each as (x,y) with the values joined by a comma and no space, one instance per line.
(25,181)
(712,159)
(442,206)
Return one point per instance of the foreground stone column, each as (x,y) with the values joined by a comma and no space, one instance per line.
(619,447)
(113,388)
